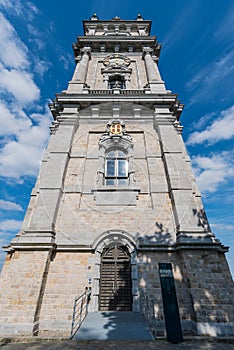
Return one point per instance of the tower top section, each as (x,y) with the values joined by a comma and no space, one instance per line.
(116,35)
(117,60)
(117,27)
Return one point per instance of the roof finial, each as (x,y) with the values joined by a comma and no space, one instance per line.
(139,17)
(94,17)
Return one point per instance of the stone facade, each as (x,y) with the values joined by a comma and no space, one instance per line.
(146,199)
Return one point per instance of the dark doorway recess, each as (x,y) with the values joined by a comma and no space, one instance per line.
(115,281)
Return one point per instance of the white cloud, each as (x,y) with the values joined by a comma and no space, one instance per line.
(36,36)
(10,225)
(20,8)
(16,80)
(221,129)
(223,227)
(7,205)
(41,67)
(12,122)
(24,135)
(67,61)
(21,156)
(213,71)
(213,171)
(202,121)
(20,84)
(16,7)
(13,53)
(177,27)
(213,79)
(17,159)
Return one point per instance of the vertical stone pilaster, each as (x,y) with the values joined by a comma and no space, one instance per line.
(154,79)
(151,68)
(79,76)
(82,67)
(39,226)
(190,218)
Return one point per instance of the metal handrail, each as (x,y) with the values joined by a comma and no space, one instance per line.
(148,311)
(80,310)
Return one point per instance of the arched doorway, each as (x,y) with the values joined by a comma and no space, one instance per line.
(115,279)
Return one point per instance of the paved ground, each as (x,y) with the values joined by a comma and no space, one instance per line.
(103,325)
(40,344)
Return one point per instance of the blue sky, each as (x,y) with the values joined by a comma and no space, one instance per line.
(197,63)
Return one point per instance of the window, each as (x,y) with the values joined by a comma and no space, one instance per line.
(116,168)
(116,81)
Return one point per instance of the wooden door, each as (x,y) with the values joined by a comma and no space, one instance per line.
(115,282)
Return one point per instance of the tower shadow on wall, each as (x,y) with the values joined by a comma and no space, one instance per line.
(197,294)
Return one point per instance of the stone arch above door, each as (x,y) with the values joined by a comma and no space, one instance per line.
(108,239)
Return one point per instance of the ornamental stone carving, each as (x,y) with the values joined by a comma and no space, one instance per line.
(116,61)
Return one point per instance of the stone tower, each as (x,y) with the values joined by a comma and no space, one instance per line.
(115,197)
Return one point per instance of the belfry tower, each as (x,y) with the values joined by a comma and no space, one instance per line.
(115,208)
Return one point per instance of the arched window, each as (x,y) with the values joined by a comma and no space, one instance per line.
(116,168)
(116,81)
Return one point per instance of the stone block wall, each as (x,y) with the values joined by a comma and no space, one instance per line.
(149,282)
(67,279)
(204,289)
(212,291)
(21,290)
(84,225)
(38,290)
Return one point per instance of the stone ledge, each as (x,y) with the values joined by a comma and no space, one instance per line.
(116,196)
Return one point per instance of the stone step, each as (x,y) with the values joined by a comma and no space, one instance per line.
(113,325)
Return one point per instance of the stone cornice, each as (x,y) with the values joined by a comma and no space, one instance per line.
(28,246)
(108,96)
(180,247)
(196,246)
(86,100)
(119,22)
(111,40)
